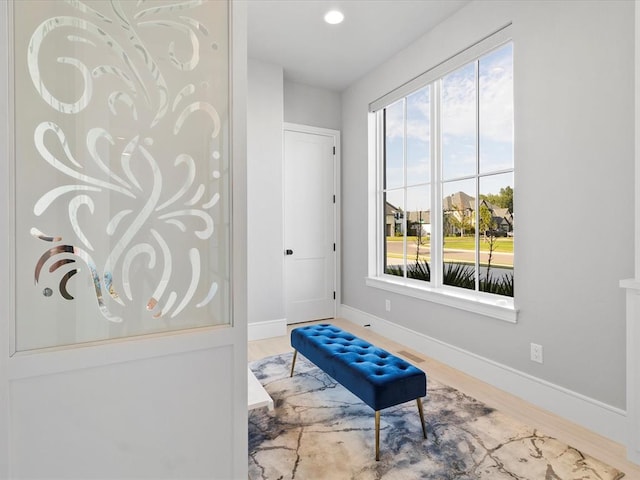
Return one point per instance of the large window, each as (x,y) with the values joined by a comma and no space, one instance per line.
(444,153)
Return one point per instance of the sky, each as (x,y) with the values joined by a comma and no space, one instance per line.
(458,132)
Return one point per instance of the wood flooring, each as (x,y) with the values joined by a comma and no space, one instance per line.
(579,437)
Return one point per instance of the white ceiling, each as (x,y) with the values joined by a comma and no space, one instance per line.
(293,34)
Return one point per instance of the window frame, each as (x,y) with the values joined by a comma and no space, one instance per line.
(483,303)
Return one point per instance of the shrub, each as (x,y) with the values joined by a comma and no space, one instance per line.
(502,285)
(457,275)
(419,271)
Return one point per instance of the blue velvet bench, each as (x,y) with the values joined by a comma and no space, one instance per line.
(377,377)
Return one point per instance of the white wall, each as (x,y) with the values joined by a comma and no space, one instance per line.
(632,285)
(264,199)
(5,261)
(637,124)
(574,160)
(312,106)
(272,101)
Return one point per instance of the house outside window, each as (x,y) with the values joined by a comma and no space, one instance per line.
(445,181)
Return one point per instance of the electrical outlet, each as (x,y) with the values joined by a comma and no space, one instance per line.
(387,305)
(536,353)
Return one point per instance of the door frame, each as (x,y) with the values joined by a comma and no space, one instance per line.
(335,134)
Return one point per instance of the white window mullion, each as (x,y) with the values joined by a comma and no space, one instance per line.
(437,239)
(380,222)
(404,187)
(477,232)
(477,178)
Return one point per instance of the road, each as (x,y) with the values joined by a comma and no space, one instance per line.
(394,253)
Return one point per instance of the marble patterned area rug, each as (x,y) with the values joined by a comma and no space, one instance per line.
(320,430)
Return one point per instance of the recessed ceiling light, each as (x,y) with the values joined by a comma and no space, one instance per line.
(334,17)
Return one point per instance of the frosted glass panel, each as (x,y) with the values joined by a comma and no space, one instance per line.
(121,169)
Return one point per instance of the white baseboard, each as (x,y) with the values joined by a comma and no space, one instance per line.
(592,414)
(268,329)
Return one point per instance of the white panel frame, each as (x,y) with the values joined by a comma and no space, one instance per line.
(15,366)
(238,327)
(145,346)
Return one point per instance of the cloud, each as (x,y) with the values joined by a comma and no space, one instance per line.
(418,115)
(394,118)
(459,96)
(496,96)
(458,110)
(459,103)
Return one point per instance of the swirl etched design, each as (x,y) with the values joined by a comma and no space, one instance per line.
(136,149)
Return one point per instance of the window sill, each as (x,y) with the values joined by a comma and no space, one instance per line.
(501,309)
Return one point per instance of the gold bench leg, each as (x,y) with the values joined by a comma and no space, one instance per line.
(293,364)
(424,428)
(377,435)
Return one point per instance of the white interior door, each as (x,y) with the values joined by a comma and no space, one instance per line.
(310,223)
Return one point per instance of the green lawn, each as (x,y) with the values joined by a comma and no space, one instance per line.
(502,244)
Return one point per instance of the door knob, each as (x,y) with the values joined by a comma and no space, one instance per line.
(288,251)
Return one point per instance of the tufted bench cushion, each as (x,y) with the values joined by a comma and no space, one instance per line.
(374,375)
